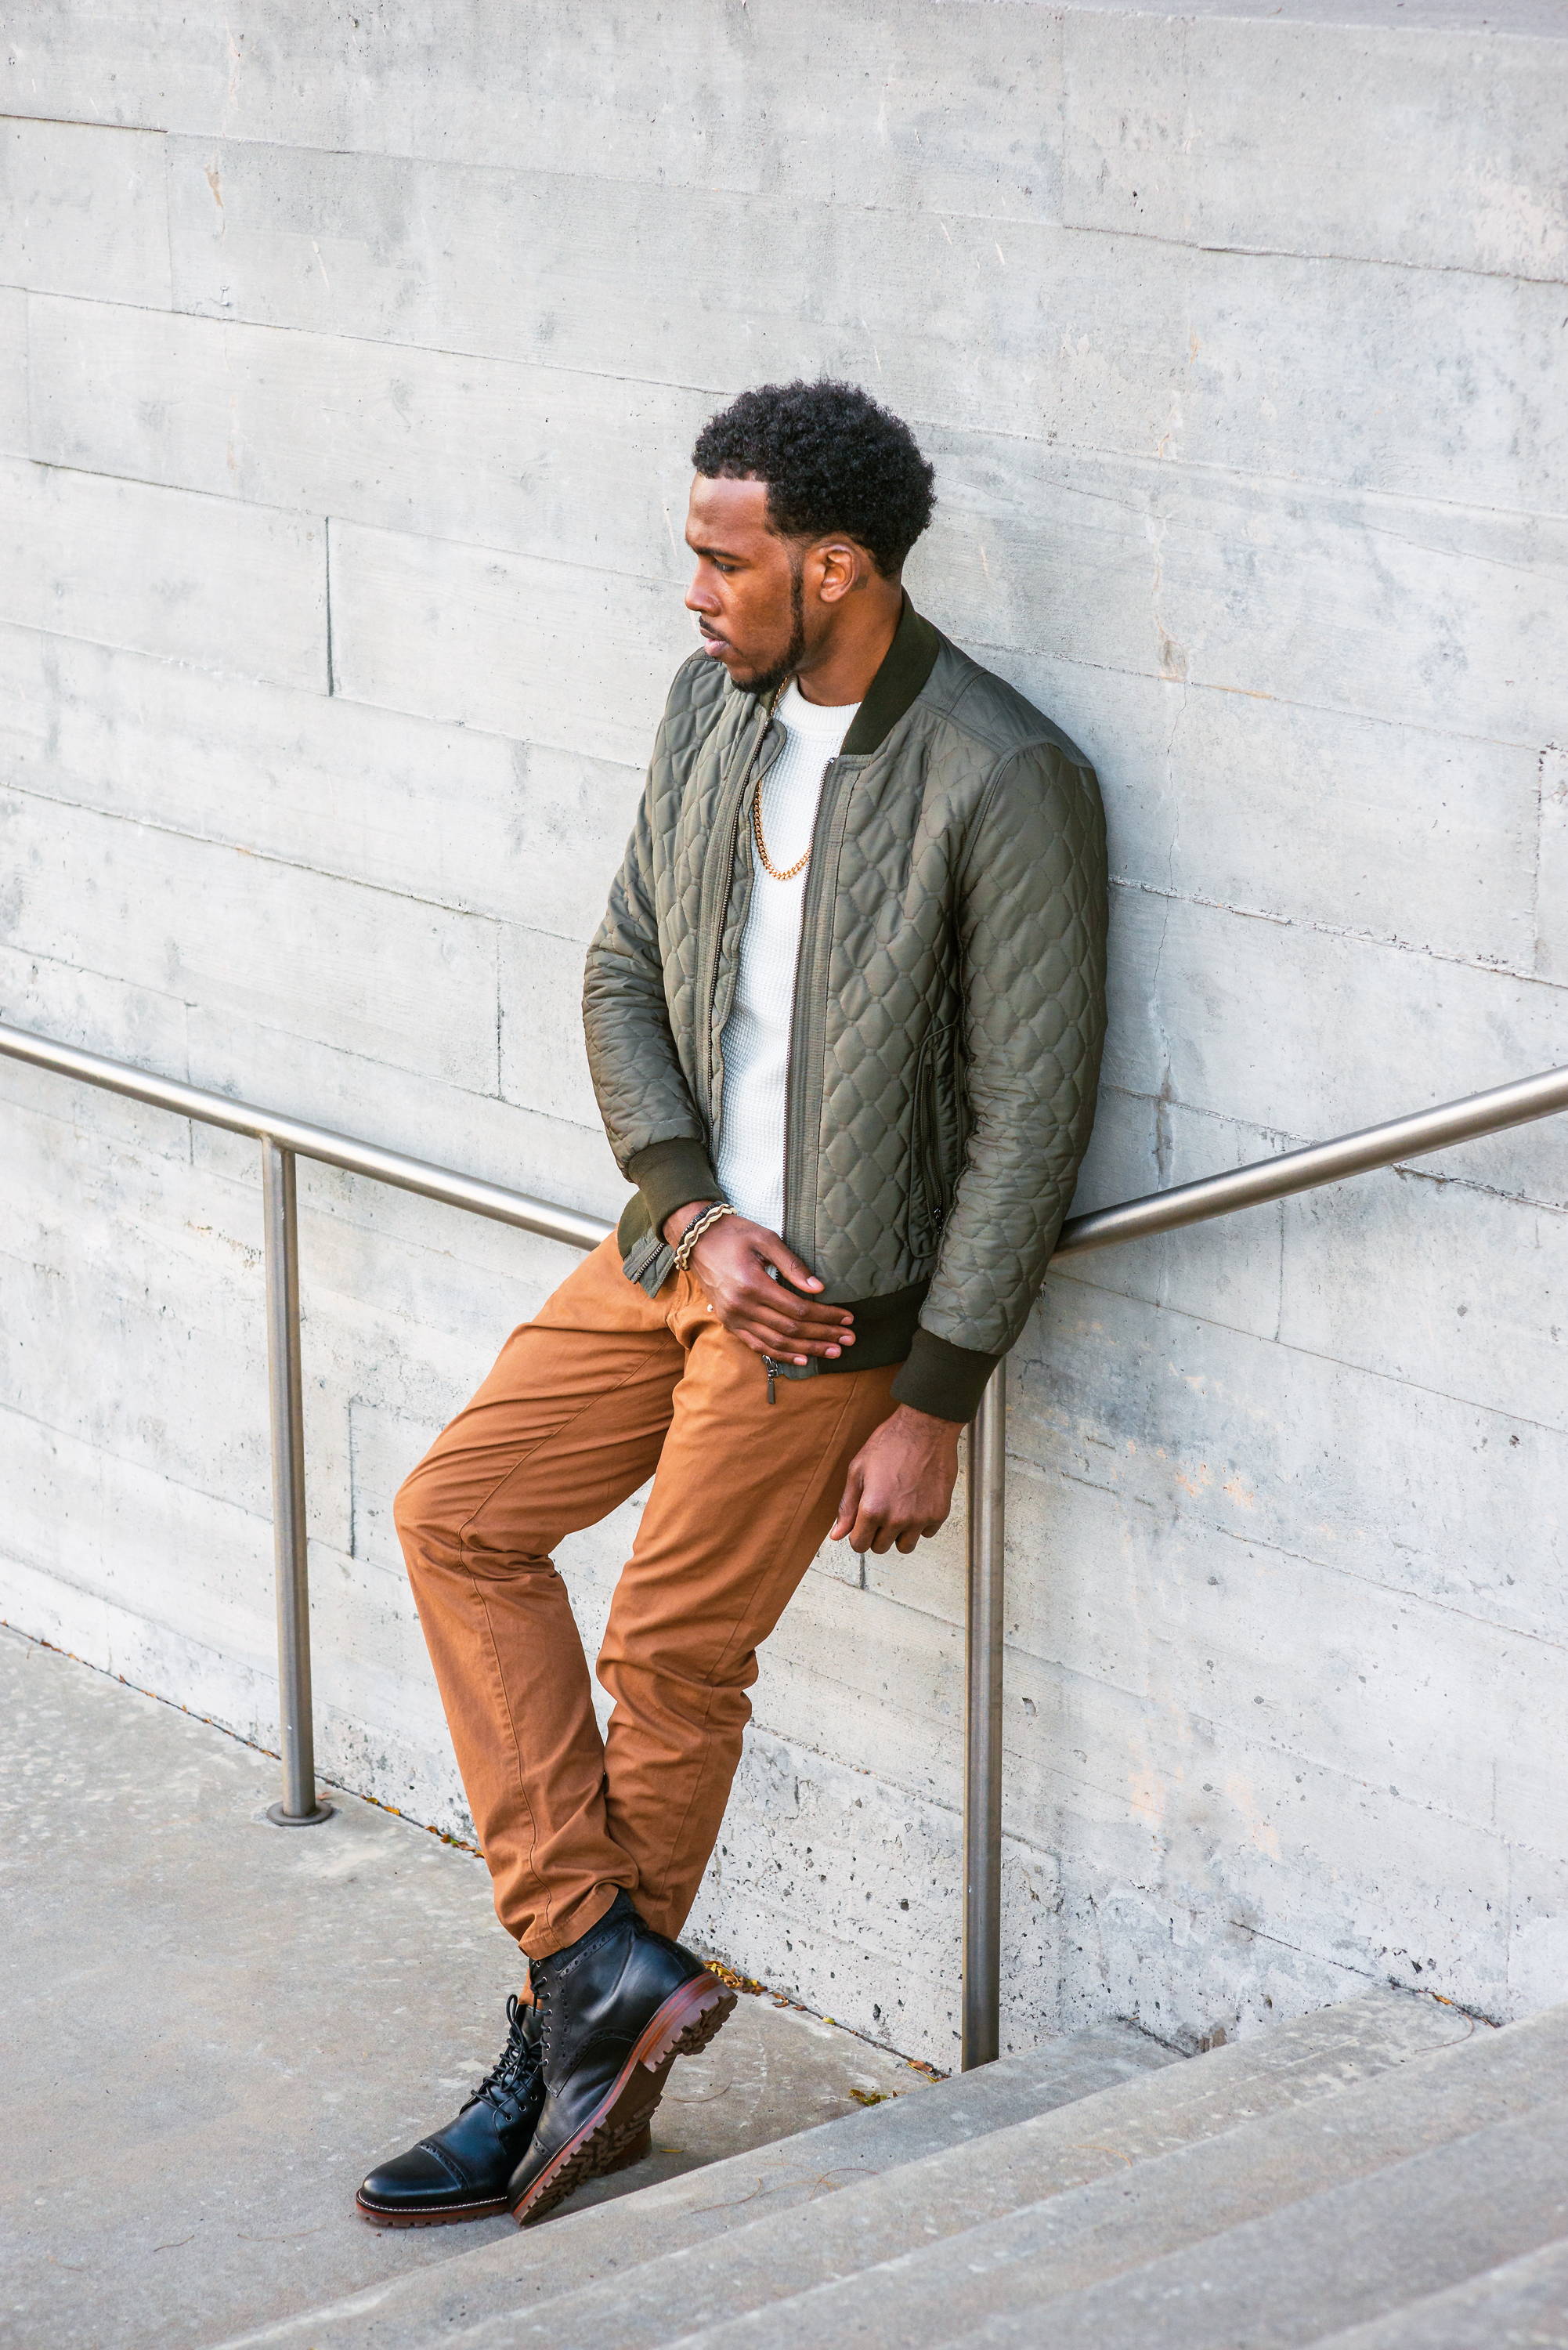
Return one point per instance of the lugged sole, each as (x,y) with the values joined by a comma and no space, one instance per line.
(632,2149)
(686,2023)
(449,2218)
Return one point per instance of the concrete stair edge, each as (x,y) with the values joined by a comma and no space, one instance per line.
(1521,2305)
(605,2238)
(915,2297)
(1310,2057)
(1265,2282)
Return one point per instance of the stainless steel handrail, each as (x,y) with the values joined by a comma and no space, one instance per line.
(1423,1131)
(1157,1212)
(307,1141)
(285,1140)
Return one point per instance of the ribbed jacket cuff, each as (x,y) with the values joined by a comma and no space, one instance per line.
(668,1174)
(946,1380)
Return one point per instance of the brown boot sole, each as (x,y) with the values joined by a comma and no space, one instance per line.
(640,2143)
(687,2022)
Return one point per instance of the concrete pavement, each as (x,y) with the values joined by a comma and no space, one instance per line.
(214,2026)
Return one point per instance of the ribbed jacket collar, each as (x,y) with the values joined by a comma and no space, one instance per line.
(906,665)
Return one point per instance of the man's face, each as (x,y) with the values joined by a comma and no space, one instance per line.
(746,590)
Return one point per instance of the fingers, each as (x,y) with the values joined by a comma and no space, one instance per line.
(750,1285)
(911,1538)
(763,1313)
(773,1251)
(782,1350)
(812,1319)
(784,1258)
(732,1263)
(849,1508)
(872,1531)
(769,1313)
(735,1263)
(879,1530)
(775,1338)
(902,1487)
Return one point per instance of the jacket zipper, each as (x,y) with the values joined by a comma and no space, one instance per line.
(922,1187)
(810,905)
(711,980)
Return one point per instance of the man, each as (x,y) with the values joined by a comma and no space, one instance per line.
(844,1017)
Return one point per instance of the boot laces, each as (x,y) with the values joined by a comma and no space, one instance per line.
(516,2060)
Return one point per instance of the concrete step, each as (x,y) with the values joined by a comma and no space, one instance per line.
(779,2266)
(1367,2250)
(1140,2258)
(1522,2306)
(607,2239)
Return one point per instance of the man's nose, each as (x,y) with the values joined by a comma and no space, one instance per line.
(700,596)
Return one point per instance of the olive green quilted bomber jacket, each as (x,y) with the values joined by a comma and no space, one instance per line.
(948,1006)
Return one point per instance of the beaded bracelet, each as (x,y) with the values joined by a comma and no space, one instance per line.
(695,1230)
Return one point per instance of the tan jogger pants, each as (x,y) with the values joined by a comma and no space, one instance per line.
(603,1387)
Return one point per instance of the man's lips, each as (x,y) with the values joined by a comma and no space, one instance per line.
(717,646)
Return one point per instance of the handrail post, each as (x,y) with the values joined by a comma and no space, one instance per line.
(981,2036)
(1389,1145)
(301,1806)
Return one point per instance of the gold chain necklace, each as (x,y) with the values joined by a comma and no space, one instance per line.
(768,866)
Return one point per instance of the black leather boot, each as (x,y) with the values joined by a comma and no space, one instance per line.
(461,2172)
(616,2009)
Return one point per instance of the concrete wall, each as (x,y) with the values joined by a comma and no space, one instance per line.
(348,364)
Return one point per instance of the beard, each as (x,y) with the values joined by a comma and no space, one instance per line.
(768,680)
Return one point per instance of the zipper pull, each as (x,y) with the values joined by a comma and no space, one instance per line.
(771,1369)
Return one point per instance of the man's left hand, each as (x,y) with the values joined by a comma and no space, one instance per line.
(901,1482)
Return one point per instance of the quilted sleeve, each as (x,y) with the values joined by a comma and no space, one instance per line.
(648,1115)
(1031,918)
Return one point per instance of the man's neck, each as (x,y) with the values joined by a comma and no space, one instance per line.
(841,670)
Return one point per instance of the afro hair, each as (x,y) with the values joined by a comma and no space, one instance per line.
(833,461)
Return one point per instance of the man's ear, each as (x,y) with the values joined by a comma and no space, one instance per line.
(840,567)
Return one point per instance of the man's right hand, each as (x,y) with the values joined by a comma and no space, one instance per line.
(732,1262)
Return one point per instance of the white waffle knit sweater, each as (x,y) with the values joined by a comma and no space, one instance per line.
(755,1042)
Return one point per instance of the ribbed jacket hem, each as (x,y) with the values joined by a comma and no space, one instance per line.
(946,1380)
(668,1174)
